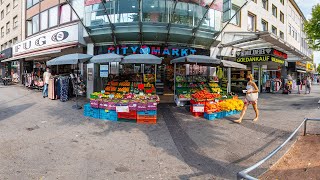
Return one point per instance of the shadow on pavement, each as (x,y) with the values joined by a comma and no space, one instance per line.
(13,110)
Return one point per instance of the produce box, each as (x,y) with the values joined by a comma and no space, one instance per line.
(197,114)
(90,111)
(94,103)
(150,113)
(142,106)
(128,115)
(146,119)
(152,105)
(112,105)
(108,115)
(132,105)
(104,104)
(211,116)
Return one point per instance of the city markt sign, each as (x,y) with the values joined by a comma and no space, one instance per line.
(154,50)
(261,52)
(259,59)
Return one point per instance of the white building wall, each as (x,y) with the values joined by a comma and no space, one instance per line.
(291,16)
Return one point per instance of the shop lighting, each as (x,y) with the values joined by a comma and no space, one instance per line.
(152,6)
(189,10)
(133,6)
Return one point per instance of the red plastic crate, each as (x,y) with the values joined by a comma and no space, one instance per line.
(197,114)
(127,115)
(146,116)
(150,120)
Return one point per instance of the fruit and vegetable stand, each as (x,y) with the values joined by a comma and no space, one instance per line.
(212,105)
(191,74)
(128,97)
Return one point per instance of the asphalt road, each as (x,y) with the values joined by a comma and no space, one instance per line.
(47,139)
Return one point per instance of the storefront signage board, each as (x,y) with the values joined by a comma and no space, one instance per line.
(198,108)
(104,70)
(91,2)
(261,52)
(259,59)
(5,54)
(154,50)
(50,39)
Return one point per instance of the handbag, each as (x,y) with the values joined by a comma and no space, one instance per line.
(252,97)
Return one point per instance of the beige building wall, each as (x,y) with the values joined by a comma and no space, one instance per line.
(293,18)
(11,22)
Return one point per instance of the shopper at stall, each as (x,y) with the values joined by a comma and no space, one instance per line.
(252,91)
(46,77)
(308,85)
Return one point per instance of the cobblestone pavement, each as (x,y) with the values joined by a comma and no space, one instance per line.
(47,139)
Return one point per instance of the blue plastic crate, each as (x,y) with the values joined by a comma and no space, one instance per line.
(109,115)
(151,113)
(211,116)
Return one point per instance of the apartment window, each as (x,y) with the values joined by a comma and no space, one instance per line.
(2,14)
(29,27)
(65,13)
(281,17)
(1,1)
(8,27)
(251,22)
(236,18)
(265,4)
(264,25)
(30,3)
(15,22)
(274,30)
(290,29)
(282,2)
(44,20)
(15,3)
(290,10)
(14,40)
(8,8)
(281,35)
(53,17)
(274,10)
(35,24)
(2,31)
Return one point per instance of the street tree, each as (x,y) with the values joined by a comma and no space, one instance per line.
(318,69)
(312,28)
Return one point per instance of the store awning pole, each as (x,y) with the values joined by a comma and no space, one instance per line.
(229,80)
(174,81)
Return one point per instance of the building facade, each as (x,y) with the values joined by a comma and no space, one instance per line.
(258,28)
(11,32)
(51,28)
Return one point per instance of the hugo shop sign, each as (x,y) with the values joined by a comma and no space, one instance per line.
(154,50)
(50,39)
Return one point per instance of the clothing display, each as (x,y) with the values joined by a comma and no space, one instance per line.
(64,88)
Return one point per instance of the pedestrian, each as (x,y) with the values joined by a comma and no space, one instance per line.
(298,84)
(46,77)
(252,91)
(308,85)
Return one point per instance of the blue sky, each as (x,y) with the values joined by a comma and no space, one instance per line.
(306,8)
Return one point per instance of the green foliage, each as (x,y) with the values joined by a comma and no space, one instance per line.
(318,68)
(312,28)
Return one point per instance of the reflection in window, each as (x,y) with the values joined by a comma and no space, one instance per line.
(236,19)
(44,20)
(154,11)
(35,24)
(53,17)
(65,14)
(251,22)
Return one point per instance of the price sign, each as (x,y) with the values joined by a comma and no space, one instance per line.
(122,108)
(198,108)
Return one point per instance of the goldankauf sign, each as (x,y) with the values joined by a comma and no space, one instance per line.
(261,52)
(5,54)
(54,38)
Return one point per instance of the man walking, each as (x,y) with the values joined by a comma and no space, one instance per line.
(46,77)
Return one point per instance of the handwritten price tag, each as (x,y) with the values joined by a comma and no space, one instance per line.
(198,108)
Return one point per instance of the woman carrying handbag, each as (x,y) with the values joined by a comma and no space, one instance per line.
(251,98)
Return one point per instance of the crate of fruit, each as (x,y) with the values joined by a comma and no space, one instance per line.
(94,103)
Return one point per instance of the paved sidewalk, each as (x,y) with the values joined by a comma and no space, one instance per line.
(47,139)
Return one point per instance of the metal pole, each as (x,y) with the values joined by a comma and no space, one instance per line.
(174,81)
(305,127)
(229,80)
